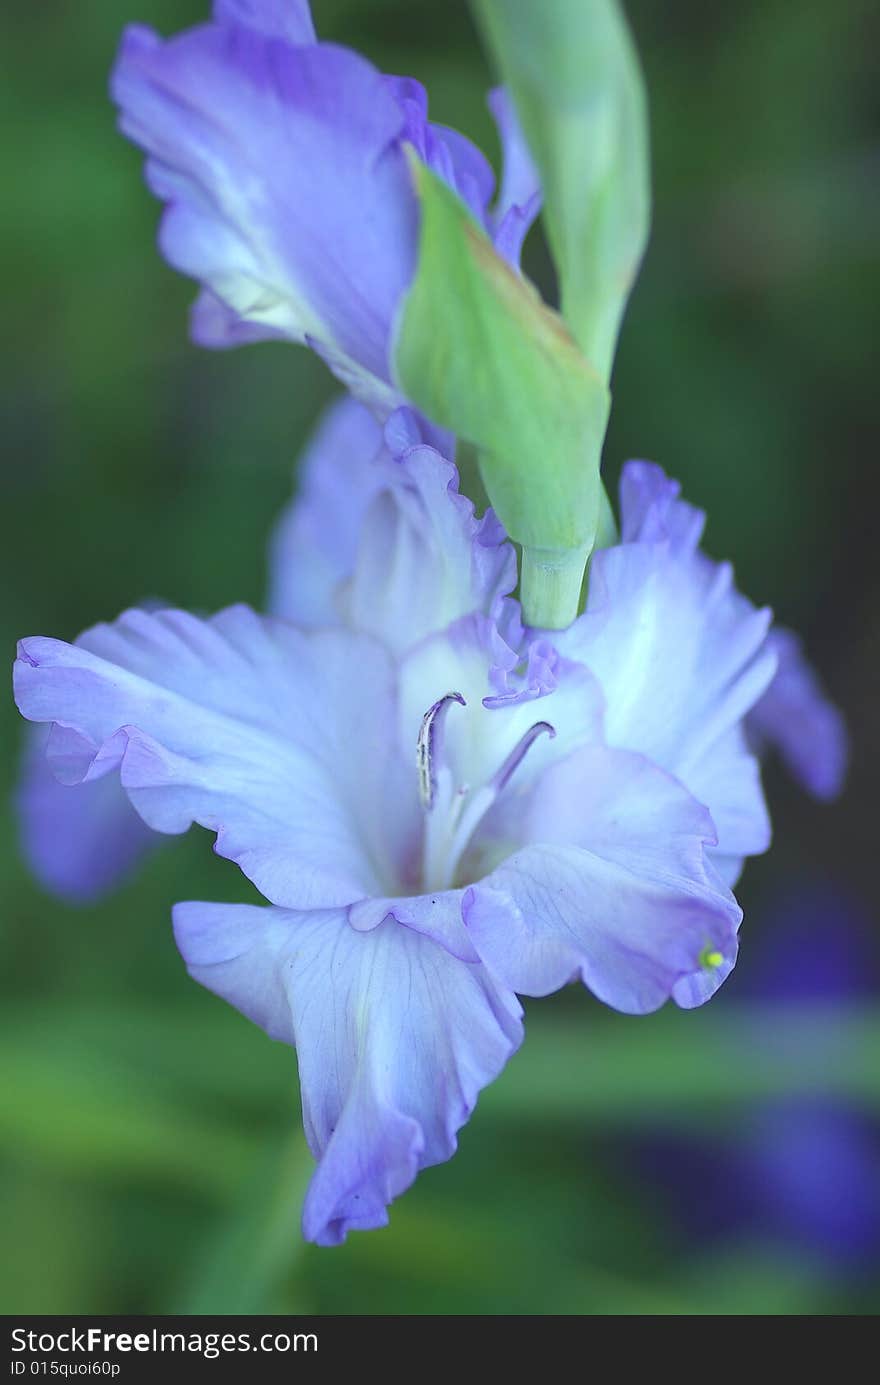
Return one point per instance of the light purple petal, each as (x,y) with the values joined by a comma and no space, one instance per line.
(728,779)
(437,915)
(512,230)
(689,992)
(519,200)
(314,544)
(286,19)
(424,560)
(651,509)
(271,738)
(796,718)
(793,714)
(520,180)
(218,328)
(383,513)
(681,656)
(79,841)
(372,391)
(395,1040)
(449,154)
(617,893)
(465,168)
(288,194)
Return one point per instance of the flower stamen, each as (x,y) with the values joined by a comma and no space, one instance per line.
(519,752)
(429,747)
(454,811)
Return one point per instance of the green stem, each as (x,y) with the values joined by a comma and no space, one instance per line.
(550,585)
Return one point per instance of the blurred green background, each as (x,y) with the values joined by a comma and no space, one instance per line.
(149,1137)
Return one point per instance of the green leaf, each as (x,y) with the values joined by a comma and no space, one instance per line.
(575,80)
(480,354)
(83,1113)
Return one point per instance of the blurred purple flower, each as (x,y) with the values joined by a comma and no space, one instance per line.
(282,163)
(802,1171)
(78,842)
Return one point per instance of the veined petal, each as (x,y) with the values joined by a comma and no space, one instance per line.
(728,779)
(682,657)
(314,544)
(616,890)
(795,717)
(78,841)
(788,711)
(269,737)
(288,194)
(424,560)
(382,512)
(680,654)
(652,511)
(437,915)
(395,1040)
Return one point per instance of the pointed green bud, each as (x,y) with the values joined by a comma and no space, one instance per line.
(479,353)
(574,76)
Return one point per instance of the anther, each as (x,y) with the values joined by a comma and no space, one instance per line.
(429,747)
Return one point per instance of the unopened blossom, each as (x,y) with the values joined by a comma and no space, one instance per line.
(283,166)
(425,795)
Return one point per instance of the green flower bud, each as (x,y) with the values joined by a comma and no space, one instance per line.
(480,354)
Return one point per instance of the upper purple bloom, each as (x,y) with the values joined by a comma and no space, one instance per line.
(425,794)
(282,163)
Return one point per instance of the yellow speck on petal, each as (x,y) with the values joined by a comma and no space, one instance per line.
(711,959)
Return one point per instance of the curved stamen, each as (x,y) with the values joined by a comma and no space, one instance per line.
(429,747)
(519,752)
(459,809)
